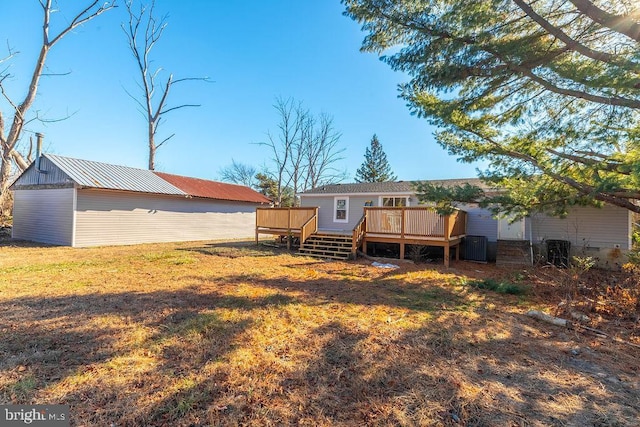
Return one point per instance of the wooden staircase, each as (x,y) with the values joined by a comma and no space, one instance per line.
(327,246)
(513,252)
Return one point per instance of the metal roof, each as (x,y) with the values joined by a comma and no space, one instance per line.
(196,187)
(92,174)
(113,177)
(390,187)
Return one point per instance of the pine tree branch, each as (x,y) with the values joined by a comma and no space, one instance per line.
(618,23)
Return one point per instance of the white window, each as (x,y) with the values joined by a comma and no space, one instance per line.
(340,209)
(394,201)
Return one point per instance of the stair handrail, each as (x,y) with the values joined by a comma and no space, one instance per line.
(305,230)
(358,234)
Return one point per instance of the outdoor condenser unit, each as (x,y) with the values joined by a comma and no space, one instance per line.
(475,248)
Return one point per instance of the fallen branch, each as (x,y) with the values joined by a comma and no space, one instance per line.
(558,321)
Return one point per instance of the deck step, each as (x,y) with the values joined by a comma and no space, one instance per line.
(326,247)
(513,252)
(336,238)
(331,246)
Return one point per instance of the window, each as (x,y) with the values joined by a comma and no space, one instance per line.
(395,201)
(341,209)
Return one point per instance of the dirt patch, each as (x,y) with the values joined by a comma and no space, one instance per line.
(230,334)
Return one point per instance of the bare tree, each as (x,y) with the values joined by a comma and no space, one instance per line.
(281,145)
(143,31)
(322,154)
(296,169)
(240,173)
(18,111)
(305,151)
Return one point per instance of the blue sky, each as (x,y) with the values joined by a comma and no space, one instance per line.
(253,51)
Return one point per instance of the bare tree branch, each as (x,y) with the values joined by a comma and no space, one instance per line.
(178,107)
(143,31)
(8,142)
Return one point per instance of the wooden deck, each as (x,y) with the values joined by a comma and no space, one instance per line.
(295,222)
(415,226)
(402,225)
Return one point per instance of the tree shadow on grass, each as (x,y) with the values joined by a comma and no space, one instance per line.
(360,292)
(235,250)
(24,244)
(500,369)
(44,341)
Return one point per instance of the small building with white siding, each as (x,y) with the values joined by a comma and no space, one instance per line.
(79,203)
(603,233)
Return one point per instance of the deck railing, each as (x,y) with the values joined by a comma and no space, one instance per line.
(284,218)
(457,223)
(409,222)
(359,232)
(308,228)
(287,221)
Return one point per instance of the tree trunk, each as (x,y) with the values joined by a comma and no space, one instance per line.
(152,147)
(5,172)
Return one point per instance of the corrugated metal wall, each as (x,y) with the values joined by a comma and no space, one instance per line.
(44,215)
(116,218)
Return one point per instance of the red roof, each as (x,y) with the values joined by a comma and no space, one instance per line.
(214,190)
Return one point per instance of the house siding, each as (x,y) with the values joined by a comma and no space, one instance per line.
(603,227)
(325,210)
(44,215)
(480,222)
(114,218)
(586,227)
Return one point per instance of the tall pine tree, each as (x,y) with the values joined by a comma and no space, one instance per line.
(546,92)
(375,167)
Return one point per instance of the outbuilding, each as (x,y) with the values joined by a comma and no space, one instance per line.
(79,203)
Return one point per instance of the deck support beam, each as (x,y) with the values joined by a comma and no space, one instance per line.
(446,256)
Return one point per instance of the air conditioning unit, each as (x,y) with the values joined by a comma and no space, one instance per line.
(475,248)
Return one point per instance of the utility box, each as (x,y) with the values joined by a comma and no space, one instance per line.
(475,248)
(558,252)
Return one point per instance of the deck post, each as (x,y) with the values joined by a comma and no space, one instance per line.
(446,255)
(447,231)
(257,226)
(458,252)
(288,229)
(402,250)
(402,213)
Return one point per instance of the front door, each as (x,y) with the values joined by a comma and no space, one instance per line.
(508,230)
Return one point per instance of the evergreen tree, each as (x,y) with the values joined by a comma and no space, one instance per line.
(546,92)
(375,167)
(269,187)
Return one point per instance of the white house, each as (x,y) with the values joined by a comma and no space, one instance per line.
(73,202)
(604,233)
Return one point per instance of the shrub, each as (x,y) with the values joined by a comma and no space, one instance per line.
(501,287)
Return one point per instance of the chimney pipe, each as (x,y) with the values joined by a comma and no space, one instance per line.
(39,136)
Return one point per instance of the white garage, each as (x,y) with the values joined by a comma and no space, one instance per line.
(73,202)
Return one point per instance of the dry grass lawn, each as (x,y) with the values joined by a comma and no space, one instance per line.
(199,334)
